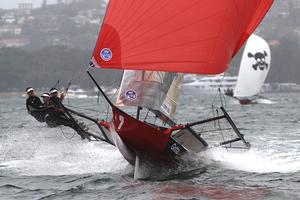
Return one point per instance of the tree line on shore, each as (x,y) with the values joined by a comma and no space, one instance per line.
(43,67)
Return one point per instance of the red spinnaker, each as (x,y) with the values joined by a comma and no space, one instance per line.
(192,36)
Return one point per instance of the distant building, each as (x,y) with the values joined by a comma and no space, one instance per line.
(25,6)
(11,30)
(68,1)
(9,18)
(296,4)
(13,42)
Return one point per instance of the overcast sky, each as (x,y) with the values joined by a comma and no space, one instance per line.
(8,4)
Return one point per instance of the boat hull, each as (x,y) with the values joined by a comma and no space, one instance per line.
(144,139)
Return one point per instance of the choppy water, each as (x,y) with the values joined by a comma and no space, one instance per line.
(41,163)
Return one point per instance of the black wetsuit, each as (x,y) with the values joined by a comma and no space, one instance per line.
(56,116)
(35,108)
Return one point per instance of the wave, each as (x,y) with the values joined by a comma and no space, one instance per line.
(259,161)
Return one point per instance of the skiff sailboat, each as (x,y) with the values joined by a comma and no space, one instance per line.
(155,41)
(254,68)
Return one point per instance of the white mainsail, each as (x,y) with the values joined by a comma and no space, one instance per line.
(170,103)
(144,88)
(254,67)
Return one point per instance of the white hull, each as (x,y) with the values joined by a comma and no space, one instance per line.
(209,85)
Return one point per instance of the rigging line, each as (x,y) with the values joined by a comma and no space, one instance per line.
(224,99)
(77,74)
(66,91)
(223,94)
(56,84)
(212,92)
(146,116)
(218,121)
(98,97)
(213,112)
(88,109)
(74,75)
(117,80)
(63,133)
(107,107)
(220,95)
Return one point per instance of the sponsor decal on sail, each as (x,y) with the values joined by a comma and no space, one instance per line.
(106,54)
(166,108)
(175,148)
(131,95)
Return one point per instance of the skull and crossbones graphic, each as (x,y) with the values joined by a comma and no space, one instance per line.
(260,59)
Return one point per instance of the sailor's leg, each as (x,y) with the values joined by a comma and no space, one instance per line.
(74,126)
(51,121)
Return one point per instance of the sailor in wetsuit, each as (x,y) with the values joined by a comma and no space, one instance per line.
(35,106)
(57,115)
(229,92)
(55,98)
(49,117)
(46,100)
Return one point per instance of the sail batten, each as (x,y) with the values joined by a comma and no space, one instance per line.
(166,35)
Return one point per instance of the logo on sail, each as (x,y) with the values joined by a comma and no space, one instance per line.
(130,95)
(106,54)
(175,148)
(260,59)
(166,108)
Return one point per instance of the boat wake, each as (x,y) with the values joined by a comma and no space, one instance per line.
(259,161)
(265,101)
(61,157)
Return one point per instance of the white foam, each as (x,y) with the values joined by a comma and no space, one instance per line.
(49,153)
(88,158)
(265,101)
(257,160)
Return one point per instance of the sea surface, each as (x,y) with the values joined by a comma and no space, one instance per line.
(37,162)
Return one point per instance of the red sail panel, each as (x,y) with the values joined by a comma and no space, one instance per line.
(194,36)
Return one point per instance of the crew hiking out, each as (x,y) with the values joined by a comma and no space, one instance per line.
(34,105)
(51,110)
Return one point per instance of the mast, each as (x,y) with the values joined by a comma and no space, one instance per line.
(138,112)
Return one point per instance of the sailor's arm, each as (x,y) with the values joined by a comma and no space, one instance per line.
(62,96)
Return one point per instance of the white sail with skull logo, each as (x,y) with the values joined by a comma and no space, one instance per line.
(254,67)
